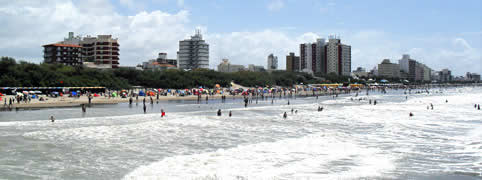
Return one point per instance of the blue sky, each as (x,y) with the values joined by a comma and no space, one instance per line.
(437,33)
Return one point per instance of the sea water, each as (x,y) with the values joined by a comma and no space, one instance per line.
(349,139)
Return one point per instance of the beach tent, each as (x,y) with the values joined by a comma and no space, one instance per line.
(114,94)
(141,93)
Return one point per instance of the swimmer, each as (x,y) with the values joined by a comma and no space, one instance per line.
(411,114)
(219,112)
(292,110)
(446,101)
(296,111)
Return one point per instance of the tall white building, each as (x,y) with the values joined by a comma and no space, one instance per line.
(312,57)
(338,57)
(272,62)
(193,53)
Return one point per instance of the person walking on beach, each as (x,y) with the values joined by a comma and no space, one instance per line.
(130,100)
(144,108)
(52,119)
(83,108)
(245,102)
(163,113)
(144,101)
(152,101)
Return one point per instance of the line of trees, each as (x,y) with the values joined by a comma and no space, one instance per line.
(25,74)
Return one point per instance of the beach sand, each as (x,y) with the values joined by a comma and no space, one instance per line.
(52,102)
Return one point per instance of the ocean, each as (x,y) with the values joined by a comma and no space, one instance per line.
(349,139)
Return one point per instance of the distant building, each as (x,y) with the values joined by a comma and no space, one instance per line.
(445,75)
(408,66)
(66,54)
(312,57)
(161,63)
(102,50)
(472,77)
(360,72)
(272,62)
(255,68)
(226,66)
(338,57)
(388,69)
(292,62)
(98,52)
(193,53)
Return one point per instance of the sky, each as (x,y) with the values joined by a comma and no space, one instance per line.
(438,33)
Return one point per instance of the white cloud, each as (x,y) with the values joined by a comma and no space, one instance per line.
(275,5)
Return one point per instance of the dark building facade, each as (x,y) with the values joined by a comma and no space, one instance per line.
(66,54)
(292,63)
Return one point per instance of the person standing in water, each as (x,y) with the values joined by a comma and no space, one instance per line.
(163,113)
(130,100)
(288,102)
(52,119)
(431,105)
(296,111)
(375,102)
(84,108)
(230,114)
(478,107)
(285,115)
(144,108)
(292,110)
(446,101)
(219,112)
(411,114)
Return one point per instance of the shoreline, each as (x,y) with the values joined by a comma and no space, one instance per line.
(61,102)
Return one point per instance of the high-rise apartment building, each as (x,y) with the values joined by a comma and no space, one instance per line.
(66,54)
(292,62)
(272,62)
(193,53)
(102,50)
(312,57)
(338,57)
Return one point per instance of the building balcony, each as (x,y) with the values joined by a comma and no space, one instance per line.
(115,44)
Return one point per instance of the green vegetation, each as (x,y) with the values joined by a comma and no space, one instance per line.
(24,74)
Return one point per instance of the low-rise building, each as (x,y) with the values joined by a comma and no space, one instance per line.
(226,66)
(255,68)
(360,72)
(388,69)
(161,63)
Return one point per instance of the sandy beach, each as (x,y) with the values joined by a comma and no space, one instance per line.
(52,102)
